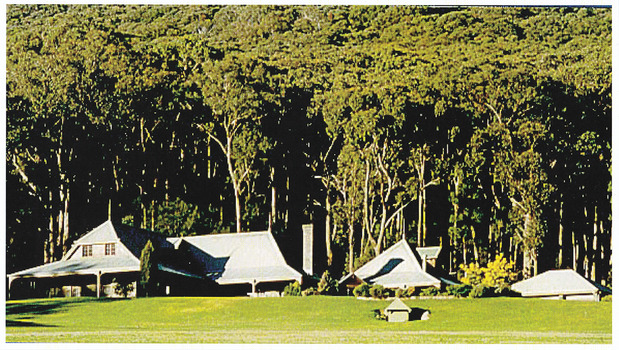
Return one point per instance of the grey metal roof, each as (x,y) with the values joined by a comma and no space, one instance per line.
(92,265)
(131,238)
(242,258)
(555,282)
(396,267)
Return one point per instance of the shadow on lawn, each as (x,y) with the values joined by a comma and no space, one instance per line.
(23,311)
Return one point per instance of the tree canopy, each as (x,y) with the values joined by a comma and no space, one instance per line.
(485,130)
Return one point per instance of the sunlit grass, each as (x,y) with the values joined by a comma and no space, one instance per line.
(305,320)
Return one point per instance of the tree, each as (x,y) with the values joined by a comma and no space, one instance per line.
(148,270)
(235,120)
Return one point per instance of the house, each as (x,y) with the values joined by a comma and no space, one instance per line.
(96,262)
(560,284)
(199,265)
(396,267)
(397,311)
(238,261)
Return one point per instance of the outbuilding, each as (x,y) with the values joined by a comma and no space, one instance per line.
(397,311)
(560,284)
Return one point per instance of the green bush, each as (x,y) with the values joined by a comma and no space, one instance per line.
(504,290)
(459,290)
(327,285)
(480,291)
(410,291)
(607,298)
(399,293)
(430,291)
(293,289)
(123,288)
(362,290)
(309,291)
(377,291)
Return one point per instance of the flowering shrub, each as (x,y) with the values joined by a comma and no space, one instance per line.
(496,274)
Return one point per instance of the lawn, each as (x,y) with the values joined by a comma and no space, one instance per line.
(305,320)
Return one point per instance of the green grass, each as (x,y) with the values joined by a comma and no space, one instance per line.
(305,320)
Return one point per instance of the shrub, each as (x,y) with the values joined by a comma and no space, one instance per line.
(362,290)
(148,269)
(480,291)
(377,291)
(293,289)
(123,288)
(327,285)
(410,291)
(607,298)
(309,291)
(496,273)
(459,290)
(504,290)
(430,291)
(399,293)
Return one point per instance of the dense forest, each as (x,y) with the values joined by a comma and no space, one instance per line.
(486,130)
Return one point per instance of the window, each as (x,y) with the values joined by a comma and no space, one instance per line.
(110,248)
(87,250)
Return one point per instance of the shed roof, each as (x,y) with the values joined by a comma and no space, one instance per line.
(395,267)
(398,305)
(429,252)
(555,282)
(242,258)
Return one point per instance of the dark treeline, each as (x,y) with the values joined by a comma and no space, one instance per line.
(483,130)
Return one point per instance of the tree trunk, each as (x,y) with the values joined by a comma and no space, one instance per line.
(328,231)
(351,252)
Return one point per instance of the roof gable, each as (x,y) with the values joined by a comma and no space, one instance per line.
(395,267)
(398,305)
(555,282)
(134,239)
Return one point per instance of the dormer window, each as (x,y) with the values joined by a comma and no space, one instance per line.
(87,250)
(110,249)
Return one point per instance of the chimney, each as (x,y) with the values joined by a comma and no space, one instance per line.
(308,249)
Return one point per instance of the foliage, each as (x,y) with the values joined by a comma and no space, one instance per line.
(377,291)
(293,289)
(430,291)
(375,118)
(459,290)
(480,291)
(148,270)
(362,290)
(327,285)
(607,298)
(309,291)
(496,273)
(123,288)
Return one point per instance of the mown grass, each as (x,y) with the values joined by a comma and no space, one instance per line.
(305,320)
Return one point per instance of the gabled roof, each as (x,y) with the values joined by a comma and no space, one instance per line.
(131,238)
(398,305)
(555,282)
(134,239)
(429,252)
(395,267)
(242,258)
